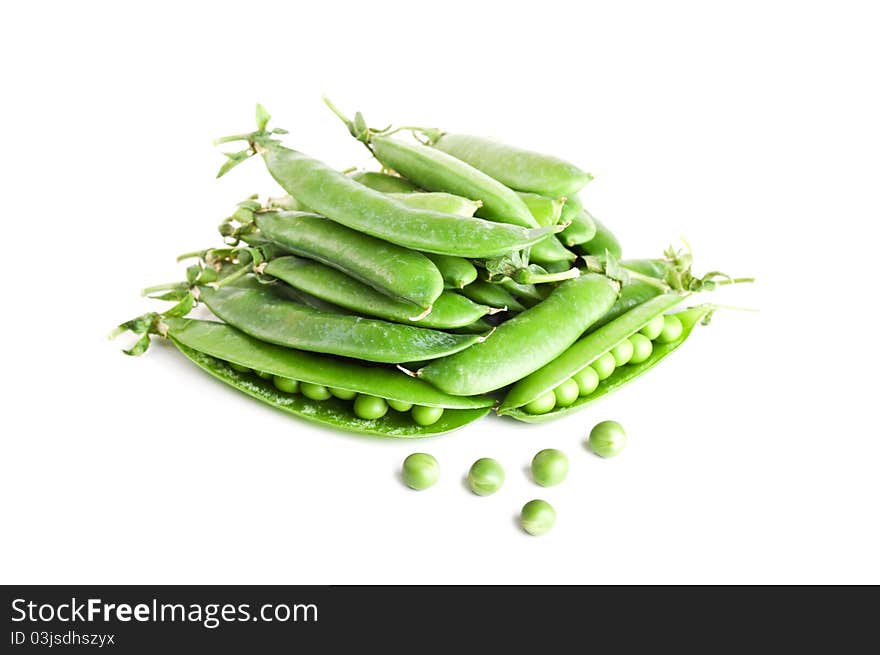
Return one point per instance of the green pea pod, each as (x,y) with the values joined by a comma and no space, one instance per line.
(529,294)
(493,295)
(347,201)
(438,201)
(519,169)
(603,241)
(449,310)
(581,229)
(623,375)
(632,294)
(392,270)
(457,272)
(230,345)
(546,211)
(384,182)
(331,412)
(435,201)
(585,351)
(258,310)
(434,170)
(526,342)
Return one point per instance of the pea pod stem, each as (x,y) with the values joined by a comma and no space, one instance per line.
(529,276)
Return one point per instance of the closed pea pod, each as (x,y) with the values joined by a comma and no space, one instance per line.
(580,224)
(546,211)
(449,310)
(257,310)
(392,270)
(527,341)
(523,170)
(622,376)
(347,201)
(447,203)
(603,241)
(457,272)
(493,295)
(384,182)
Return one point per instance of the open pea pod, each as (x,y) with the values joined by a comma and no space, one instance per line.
(623,375)
(585,351)
(222,351)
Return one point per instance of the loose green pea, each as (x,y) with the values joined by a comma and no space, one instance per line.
(342,394)
(672,329)
(420,471)
(642,348)
(485,477)
(604,366)
(653,329)
(566,393)
(607,439)
(370,407)
(239,368)
(622,353)
(265,376)
(542,404)
(549,467)
(285,384)
(425,416)
(537,517)
(399,406)
(314,391)
(587,380)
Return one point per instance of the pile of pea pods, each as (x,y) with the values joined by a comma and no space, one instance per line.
(464,276)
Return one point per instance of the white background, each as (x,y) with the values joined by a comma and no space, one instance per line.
(750,128)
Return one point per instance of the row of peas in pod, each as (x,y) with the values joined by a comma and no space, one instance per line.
(463,276)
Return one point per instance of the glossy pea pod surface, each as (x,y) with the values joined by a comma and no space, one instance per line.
(581,224)
(585,351)
(457,272)
(546,211)
(223,351)
(523,170)
(347,201)
(622,375)
(603,241)
(526,342)
(436,171)
(392,270)
(384,182)
(493,295)
(260,311)
(448,311)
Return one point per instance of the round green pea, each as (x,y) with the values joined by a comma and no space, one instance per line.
(370,407)
(239,368)
(653,329)
(314,391)
(537,517)
(542,404)
(485,477)
(642,348)
(287,385)
(566,393)
(420,471)
(607,439)
(425,416)
(587,380)
(342,394)
(604,366)
(399,406)
(622,353)
(549,467)
(672,328)
(264,375)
